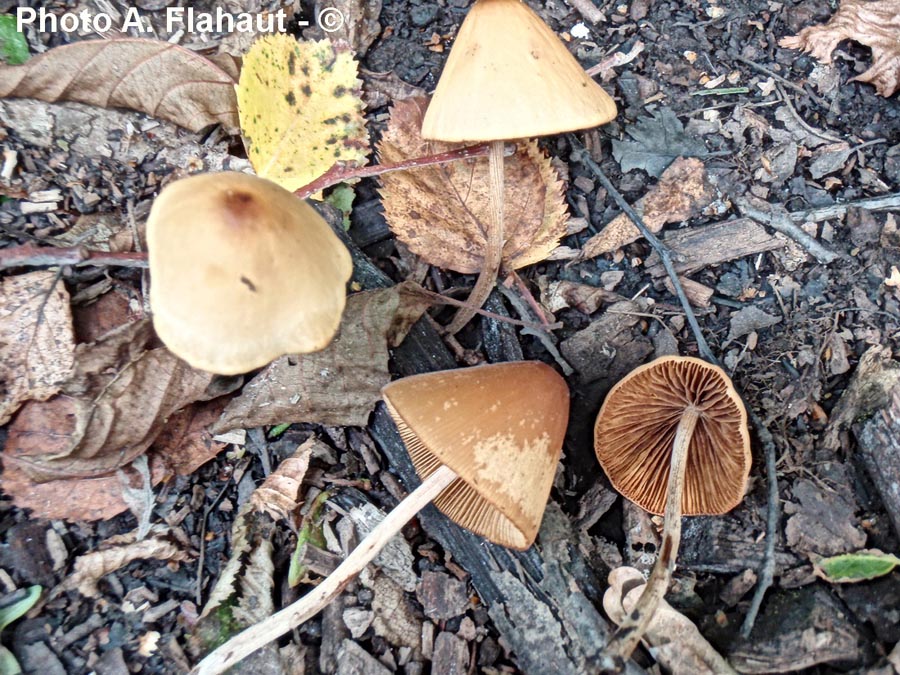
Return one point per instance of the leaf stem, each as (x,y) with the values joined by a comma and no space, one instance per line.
(493,244)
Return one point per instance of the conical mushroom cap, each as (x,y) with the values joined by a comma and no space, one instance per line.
(500,427)
(242,272)
(509,76)
(636,427)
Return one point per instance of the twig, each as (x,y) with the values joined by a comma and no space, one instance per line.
(542,332)
(767,571)
(785,82)
(340,173)
(802,122)
(446,300)
(588,10)
(661,249)
(884,203)
(778,219)
(29,255)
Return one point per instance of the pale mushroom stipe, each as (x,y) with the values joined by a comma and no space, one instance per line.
(485,440)
(672,437)
(242,272)
(508,76)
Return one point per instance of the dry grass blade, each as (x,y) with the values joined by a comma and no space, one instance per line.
(158,78)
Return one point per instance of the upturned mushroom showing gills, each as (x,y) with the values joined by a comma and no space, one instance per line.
(508,76)
(486,442)
(672,437)
(242,272)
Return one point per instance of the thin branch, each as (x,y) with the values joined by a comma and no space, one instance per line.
(661,249)
(817,215)
(29,255)
(777,217)
(767,570)
(340,173)
(783,80)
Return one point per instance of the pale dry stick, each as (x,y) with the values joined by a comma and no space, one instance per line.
(588,10)
(245,643)
(817,215)
(634,626)
(447,300)
(802,122)
(493,243)
(778,219)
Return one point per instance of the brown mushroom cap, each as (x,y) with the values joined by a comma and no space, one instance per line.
(242,272)
(509,76)
(636,427)
(500,427)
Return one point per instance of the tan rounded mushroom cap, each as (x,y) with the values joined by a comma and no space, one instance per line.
(509,76)
(501,428)
(636,427)
(242,272)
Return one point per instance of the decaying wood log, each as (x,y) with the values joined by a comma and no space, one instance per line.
(544,600)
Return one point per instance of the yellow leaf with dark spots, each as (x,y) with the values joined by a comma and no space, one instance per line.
(300,110)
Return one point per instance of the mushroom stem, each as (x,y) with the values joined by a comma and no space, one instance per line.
(632,629)
(493,244)
(245,643)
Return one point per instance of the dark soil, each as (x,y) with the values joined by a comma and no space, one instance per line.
(792,373)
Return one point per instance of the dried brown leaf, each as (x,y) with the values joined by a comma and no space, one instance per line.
(109,412)
(279,495)
(36,340)
(118,552)
(338,385)
(679,645)
(441,212)
(874,23)
(74,498)
(158,78)
(683,190)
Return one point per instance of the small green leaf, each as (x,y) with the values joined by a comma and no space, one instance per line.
(8,663)
(13,47)
(278,429)
(310,534)
(341,198)
(852,567)
(15,605)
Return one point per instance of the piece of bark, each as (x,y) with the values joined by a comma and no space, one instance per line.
(798,629)
(879,444)
(698,294)
(451,655)
(544,600)
(699,247)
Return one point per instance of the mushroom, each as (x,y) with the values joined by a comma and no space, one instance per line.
(486,442)
(508,76)
(242,272)
(672,438)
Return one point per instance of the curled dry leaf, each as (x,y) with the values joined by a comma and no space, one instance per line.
(338,385)
(680,647)
(300,109)
(181,447)
(441,212)
(161,544)
(874,23)
(108,413)
(683,190)
(157,78)
(36,340)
